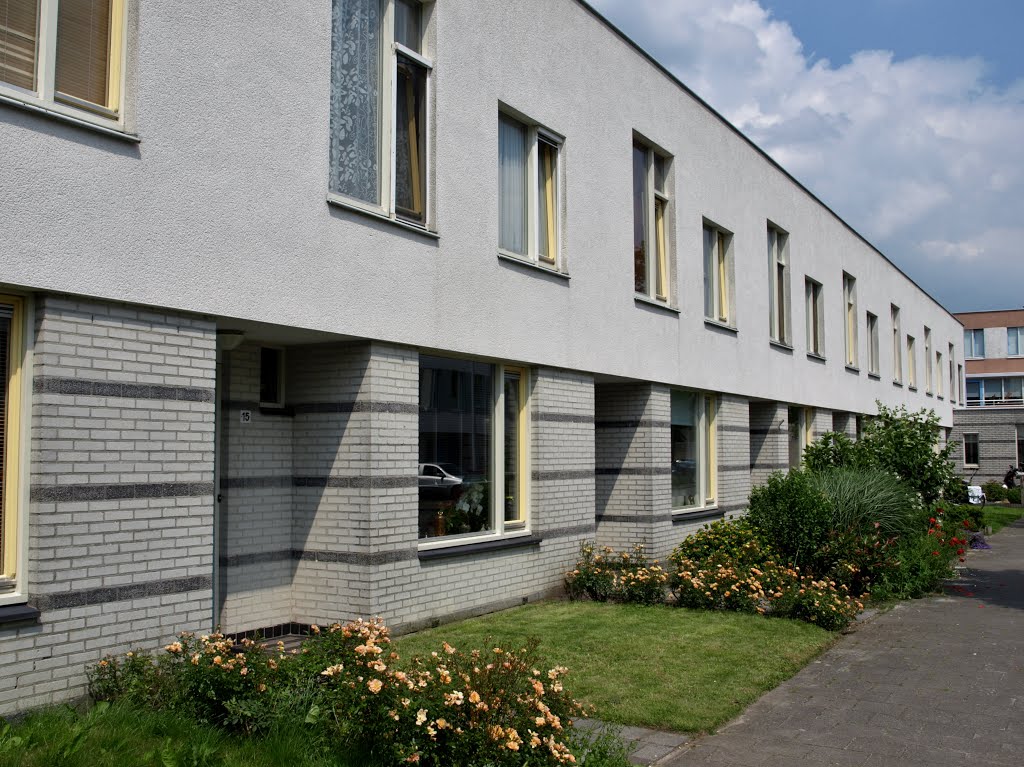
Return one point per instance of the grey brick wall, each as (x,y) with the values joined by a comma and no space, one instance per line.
(996,428)
(769,440)
(733,454)
(121,510)
(844,423)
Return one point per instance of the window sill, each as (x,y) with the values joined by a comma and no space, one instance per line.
(551,271)
(928,394)
(898,383)
(875,376)
(18,614)
(469,548)
(816,357)
(648,301)
(780,345)
(912,388)
(53,113)
(853,369)
(341,202)
(721,325)
(685,517)
(971,466)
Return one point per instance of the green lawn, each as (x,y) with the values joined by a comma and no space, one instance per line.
(121,736)
(998,517)
(662,667)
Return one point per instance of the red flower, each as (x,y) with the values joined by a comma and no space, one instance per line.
(962,559)
(935,553)
(960,551)
(931,520)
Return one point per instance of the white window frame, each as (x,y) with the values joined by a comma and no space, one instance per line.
(874,363)
(927,360)
(971,336)
(850,329)
(45,97)
(977,443)
(13,570)
(780,324)
(911,363)
(659,259)
(502,529)
(952,373)
(960,382)
(722,267)
(390,50)
(1019,333)
(897,345)
(535,135)
(706,423)
(814,300)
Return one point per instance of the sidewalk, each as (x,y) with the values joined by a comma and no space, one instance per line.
(936,682)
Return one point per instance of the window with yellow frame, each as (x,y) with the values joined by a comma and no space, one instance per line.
(11,355)
(651,222)
(64,55)
(718,275)
(694,450)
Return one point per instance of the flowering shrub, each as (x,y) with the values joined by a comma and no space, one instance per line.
(621,577)
(452,709)
(736,587)
(823,603)
(735,543)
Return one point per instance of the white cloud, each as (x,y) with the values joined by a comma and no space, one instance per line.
(922,155)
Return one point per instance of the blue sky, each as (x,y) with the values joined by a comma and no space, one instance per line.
(904,116)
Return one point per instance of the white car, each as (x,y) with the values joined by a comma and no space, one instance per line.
(440,480)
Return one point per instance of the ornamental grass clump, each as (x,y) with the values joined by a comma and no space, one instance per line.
(606,575)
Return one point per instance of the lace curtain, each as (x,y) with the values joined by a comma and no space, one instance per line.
(355,99)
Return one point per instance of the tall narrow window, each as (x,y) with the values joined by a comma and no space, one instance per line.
(808,417)
(11,329)
(515,446)
(850,308)
(65,54)
(911,363)
(651,224)
(778,284)
(960,382)
(718,275)
(873,362)
(897,346)
(694,459)
(938,373)
(815,317)
(974,343)
(796,436)
(1015,342)
(971,451)
(527,191)
(952,373)
(271,377)
(380,87)
(1020,445)
(928,360)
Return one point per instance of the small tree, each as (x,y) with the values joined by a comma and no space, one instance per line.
(907,444)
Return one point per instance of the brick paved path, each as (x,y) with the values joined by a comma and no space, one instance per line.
(937,682)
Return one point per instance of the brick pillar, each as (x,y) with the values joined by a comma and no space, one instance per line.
(734,441)
(633,454)
(769,440)
(844,423)
(121,498)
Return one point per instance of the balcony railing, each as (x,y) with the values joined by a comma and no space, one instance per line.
(995,402)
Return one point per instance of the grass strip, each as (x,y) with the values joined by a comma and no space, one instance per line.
(998,517)
(661,667)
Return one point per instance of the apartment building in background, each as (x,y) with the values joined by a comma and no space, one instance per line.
(990,428)
(350,311)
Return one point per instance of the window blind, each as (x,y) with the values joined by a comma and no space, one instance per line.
(83,50)
(5,337)
(18,31)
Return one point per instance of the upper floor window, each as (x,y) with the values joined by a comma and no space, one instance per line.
(897,345)
(873,362)
(718,275)
(271,377)
(778,285)
(64,55)
(815,317)
(527,191)
(911,362)
(380,81)
(938,373)
(952,373)
(1014,342)
(850,307)
(651,225)
(974,343)
(928,360)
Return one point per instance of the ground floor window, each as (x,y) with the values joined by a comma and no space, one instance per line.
(11,352)
(694,459)
(1020,446)
(473,463)
(970,449)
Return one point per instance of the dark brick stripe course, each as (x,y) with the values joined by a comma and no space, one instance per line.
(104,595)
(635,471)
(634,424)
(70,493)
(558,475)
(563,418)
(91,388)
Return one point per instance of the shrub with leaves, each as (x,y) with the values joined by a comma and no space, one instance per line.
(604,574)
(726,542)
(832,450)
(791,515)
